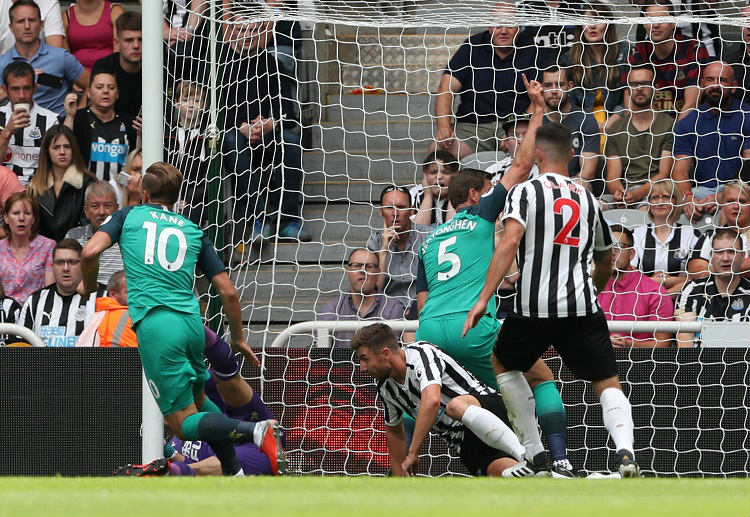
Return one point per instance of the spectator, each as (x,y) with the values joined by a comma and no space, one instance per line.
(25,256)
(53,31)
(59,183)
(127,184)
(596,60)
(741,62)
(397,246)
(187,148)
(23,121)
(111,325)
(56,68)
(639,145)
(724,295)
(181,19)
(9,311)
(431,197)
(89,25)
(549,41)
(662,247)
(714,139)
(9,184)
(675,58)
(362,301)
(100,203)
(734,214)
(262,143)
(631,295)
(103,138)
(125,63)
(514,127)
(556,83)
(486,72)
(57,313)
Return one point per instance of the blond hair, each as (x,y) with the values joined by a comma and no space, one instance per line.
(668,187)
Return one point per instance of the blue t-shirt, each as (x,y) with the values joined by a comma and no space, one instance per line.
(491,87)
(716,143)
(50,60)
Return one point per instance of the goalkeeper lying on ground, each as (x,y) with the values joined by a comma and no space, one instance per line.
(229,391)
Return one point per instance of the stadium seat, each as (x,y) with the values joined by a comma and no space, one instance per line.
(706,223)
(482,160)
(627,217)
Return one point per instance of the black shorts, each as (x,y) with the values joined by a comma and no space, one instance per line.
(582,342)
(475,454)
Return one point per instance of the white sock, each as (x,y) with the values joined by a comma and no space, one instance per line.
(519,400)
(239,474)
(618,418)
(492,431)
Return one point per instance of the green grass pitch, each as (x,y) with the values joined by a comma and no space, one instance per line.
(329,496)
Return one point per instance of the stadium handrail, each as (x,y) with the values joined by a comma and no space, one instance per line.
(323,329)
(11,329)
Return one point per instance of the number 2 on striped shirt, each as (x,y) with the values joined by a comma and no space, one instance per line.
(161,246)
(562,236)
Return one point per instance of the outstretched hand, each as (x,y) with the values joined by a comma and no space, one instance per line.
(243,348)
(534,89)
(475,314)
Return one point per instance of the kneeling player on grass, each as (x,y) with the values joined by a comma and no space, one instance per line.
(427,384)
(160,250)
(235,398)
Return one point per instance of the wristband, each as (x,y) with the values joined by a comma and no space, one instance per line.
(689,194)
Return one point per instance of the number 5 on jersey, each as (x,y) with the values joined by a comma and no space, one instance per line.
(446,256)
(161,246)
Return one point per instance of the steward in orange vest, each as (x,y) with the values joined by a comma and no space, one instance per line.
(116,327)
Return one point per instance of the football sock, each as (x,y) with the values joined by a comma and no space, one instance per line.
(520,404)
(551,415)
(180,468)
(220,356)
(492,431)
(216,427)
(209,407)
(253,411)
(227,456)
(618,418)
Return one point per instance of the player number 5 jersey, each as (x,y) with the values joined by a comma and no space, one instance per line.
(564,225)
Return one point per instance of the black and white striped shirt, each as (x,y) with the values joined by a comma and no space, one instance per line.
(670,256)
(22,156)
(440,208)
(702,298)
(426,365)
(9,311)
(564,225)
(57,319)
(704,247)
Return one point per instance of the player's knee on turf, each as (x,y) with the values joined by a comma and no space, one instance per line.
(538,373)
(496,468)
(457,406)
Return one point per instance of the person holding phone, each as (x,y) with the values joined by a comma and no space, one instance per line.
(56,68)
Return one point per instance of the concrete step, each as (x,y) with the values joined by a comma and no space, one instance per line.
(395,166)
(335,191)
(316,252)
(393,103)
(412,137)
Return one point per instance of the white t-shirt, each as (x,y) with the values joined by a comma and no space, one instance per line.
(51,16)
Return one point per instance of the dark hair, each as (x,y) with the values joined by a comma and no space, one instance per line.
(18,69)
(727,233)
(618,228)
(39,182)
(128,21)
(556,68)
(661,3)
(643,66)
(24,3)
(68,244)
(375,337)
(462,183)
(23,197)
(162,181)
(391,188)
(439,155)
(101,71)
(556,138)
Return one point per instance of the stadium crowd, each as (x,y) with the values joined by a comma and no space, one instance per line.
(659,121)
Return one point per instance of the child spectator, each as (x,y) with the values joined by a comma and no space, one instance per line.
(431,197)
(25,256)
(59,183)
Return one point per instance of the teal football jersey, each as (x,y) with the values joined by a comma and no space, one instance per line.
(160,250)
(456,256)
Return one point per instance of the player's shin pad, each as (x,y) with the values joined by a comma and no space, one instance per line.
(521,410)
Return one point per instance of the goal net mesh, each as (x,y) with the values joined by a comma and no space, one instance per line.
(350,89)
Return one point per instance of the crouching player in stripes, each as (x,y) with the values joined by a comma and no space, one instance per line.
(235,398)
(427,384)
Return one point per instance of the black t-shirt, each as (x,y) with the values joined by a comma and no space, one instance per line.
(491,87)
(130,99)
(104,145)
